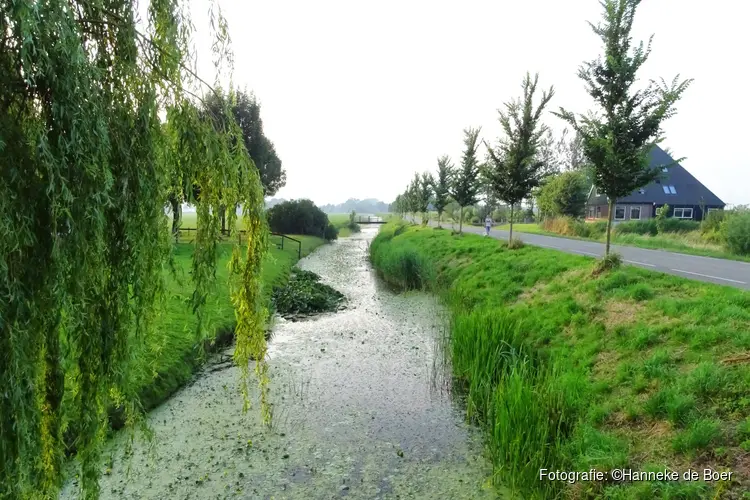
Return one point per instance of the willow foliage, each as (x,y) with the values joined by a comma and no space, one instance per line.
(86,167)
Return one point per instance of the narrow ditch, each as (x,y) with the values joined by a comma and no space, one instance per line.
(360,410)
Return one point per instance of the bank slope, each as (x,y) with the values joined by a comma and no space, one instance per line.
(566,371)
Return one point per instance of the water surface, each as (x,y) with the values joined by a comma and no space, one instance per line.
(359,410)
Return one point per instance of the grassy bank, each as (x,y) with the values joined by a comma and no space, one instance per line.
(566,371)
(164,362)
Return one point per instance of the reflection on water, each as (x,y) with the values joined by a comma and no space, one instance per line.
(361,409)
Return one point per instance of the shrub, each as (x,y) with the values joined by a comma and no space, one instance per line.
(300,217)
(647,226)
(672,225)
(564,194)
(569,226)
(712,222)
(661,215)
(737,231)
(330,233)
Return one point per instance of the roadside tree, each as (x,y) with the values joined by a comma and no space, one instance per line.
(464,185)
(516,167)
(441,186)
(618,138)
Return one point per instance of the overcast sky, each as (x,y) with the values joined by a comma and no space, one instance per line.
(357,96)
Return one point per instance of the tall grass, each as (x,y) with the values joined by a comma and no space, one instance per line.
(527,405)
(402,266)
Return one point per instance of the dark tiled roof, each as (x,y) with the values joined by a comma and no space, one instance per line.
(688,189)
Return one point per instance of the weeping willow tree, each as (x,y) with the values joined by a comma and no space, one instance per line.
(86,168)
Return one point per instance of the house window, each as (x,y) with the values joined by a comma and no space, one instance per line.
(672,190)
(619,213)
(641,191)
(635,213)
(665,188)
(664,169)
(598,212)
(683,213)
(713,210)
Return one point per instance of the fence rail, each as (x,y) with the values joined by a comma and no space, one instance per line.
(241,232)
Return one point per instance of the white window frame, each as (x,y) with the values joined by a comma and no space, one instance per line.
(631,213)
(682,211)
(624,212)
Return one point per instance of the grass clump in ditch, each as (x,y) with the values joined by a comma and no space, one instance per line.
(566,369)
(303,294)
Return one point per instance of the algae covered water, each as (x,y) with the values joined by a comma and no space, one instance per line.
(359,410)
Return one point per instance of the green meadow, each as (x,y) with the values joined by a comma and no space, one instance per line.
(568,370)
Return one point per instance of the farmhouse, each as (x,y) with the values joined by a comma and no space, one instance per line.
(686,196)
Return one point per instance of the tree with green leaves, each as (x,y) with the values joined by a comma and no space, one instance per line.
(424,195)
(618,138)
(441,185)
(464,183)
(397,206)
(246,111)
(407,201)
(86,166)
(516,166)
(486,193)
(564,194)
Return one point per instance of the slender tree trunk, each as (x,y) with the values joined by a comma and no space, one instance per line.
(609,225)
(460,220)
(439,213)
(510,236)
(223,219)
(176,216)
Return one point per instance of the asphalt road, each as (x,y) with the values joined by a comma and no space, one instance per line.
(719,271)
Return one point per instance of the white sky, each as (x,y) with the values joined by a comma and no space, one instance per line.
(357,96)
